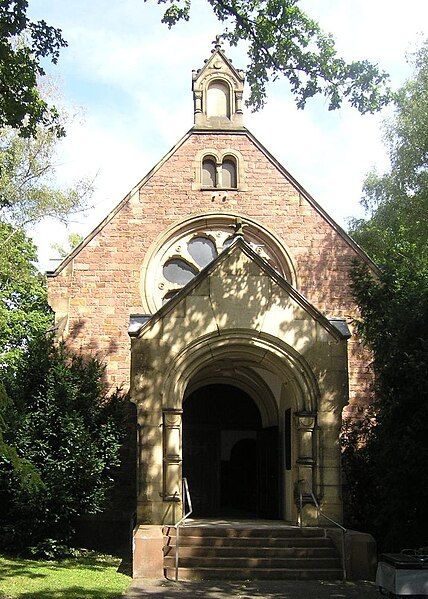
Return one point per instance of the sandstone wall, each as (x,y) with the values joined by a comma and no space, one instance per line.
(96,292)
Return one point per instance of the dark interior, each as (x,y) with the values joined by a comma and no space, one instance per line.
(229,460)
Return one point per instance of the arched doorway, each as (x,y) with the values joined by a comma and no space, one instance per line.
(231,461)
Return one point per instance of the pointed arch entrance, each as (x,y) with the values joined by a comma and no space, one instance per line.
(264,377)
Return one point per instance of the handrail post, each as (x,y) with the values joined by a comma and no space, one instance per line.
(299,486)
(342,528)
(185,498)
(344,554)
(177,541)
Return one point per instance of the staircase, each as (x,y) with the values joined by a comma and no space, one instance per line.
(251,552)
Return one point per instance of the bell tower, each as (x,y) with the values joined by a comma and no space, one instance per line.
(217,92)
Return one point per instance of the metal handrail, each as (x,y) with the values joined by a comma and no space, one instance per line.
(321,513)
(186,500)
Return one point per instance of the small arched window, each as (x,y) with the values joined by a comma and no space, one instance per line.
(218,99)
(229,173)
(209,172)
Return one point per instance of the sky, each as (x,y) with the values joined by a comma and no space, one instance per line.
(127,77)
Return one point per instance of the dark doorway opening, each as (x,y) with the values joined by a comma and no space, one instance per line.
(229,459)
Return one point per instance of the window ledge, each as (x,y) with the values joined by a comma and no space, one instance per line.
(219,188)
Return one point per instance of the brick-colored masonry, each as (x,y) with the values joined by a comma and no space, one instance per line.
(101,286)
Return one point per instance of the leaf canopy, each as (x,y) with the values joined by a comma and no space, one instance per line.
(284,41)
(386,458)
(23,45)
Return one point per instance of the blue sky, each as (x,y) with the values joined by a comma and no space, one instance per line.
(129,77)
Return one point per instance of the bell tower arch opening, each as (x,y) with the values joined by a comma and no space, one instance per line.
(218,99)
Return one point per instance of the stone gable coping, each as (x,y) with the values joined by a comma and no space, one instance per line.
(242,131)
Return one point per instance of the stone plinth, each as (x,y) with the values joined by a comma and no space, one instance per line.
(147,559)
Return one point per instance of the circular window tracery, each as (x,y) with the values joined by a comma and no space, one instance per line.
(190,249)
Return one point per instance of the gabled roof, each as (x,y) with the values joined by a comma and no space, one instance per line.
(242,131)
(239,74)
(118,208)
(239,245)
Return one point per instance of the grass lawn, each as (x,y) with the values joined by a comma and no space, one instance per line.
(92,576)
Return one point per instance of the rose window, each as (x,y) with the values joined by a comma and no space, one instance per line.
(189,247)
(188,255)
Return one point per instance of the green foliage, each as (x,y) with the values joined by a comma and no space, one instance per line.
(28,192)
(24,316)
(386,457)
(397,201)
(73,241)
(24,311)
(283,40)
(59,431)
(64,423)
(385,454)
(25,473)
(23,44)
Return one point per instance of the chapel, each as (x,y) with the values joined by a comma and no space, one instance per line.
(218,294)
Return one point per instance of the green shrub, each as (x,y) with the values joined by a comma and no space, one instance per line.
(385,456)
(63,422)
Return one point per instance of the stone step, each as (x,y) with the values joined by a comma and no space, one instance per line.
(287,532)
(204,551)
(293,563)
(250,541)
(252,553)
(254,574)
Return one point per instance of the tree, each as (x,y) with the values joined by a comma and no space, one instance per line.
(283,40)
(386,457)
(73,241)
(23,44)
(61,421)
(25,473)
(24,312)
(24,316)
(28,192)
(397,201)
(60,431)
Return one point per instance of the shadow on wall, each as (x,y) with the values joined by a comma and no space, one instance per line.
(326,283)
(92,344)
(238,313)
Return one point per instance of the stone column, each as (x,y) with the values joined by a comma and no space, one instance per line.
(238,102)
(172,454)
(198,111)
(306,461)
(198,102)
(219,174)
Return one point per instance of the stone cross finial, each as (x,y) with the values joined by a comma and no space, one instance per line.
(238,228)
(217,43)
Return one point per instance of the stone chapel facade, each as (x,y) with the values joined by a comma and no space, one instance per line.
(218,293)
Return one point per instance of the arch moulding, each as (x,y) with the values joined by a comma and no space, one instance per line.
(244,348)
